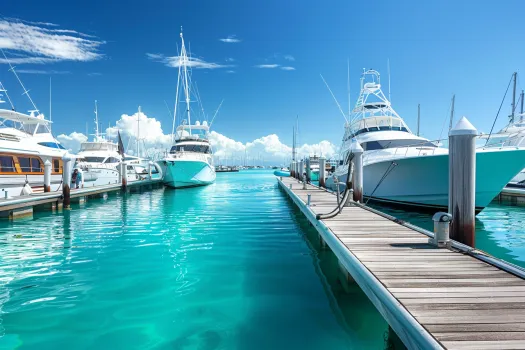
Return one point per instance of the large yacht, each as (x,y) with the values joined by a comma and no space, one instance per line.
(26,143)
(98,160)
(189,162)
(405,169)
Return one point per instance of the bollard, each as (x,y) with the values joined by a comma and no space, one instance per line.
(307,170)
(309,198)
(357,181)
(322,171)
(292,171)
(462,181)
(124,179)
(304,183)
(66,176)
(300,171)
(441,230)
(47,176)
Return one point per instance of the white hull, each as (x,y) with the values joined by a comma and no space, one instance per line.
(13,184)
(100,176)
(423,181)
(180,173)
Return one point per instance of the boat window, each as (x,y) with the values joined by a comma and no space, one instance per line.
(378,128)
(94,159)
(30,165)
(191,148)
(56,165)
(384,144)
(41,129)
(7,164)
(112,160)
(51,145)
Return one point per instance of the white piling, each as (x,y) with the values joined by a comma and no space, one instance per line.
(150,165)
(462,181)
(322,172)
(47,176)
(307,170)
(357,182)
(66,176)
(300,170)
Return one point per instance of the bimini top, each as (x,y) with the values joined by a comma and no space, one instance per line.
(373,111)
(196,131)
(23,118)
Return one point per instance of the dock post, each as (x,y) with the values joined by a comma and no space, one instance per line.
(150,164)
(357,183)
(123,178)
(462,181)
(66,175)
(300,171)
(322,172)
(292,172)
(47,176)
(307,170)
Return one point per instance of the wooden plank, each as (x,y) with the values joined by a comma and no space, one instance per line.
(457,301)
(459,282)
(499,318)
(412,295)
(466,290)
(467,304)
(482,345)
(474,314)
(477,327)
(480,336)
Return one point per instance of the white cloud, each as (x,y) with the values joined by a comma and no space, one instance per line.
(229,59)
(289,58)
(39,71)
(287,68)
(72,141)
(94,74)
(230,71)
(268,148)
(231,39)
(266,66)
(175,61)
(35,42)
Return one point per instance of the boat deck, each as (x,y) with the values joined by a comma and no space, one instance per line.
(431,297)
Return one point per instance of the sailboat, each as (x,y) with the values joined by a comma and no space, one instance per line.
(405,169)
(189,162)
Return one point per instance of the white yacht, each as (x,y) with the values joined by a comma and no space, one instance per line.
(26,143)
(190,161)
(405,169)
(98,160)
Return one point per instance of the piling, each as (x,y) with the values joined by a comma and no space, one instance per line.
(307,170)
(123,178)
(66,174)
(300,170)
(462,181)
(322,171)
(150,165)
(47,176)
(357,182)
(292,170)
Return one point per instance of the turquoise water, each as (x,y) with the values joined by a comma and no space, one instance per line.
(500,229)
(228,266)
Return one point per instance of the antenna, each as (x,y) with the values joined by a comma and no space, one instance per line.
(452,112)
(348,88)
(26,92)
(176,102)
(521,111)
(338,105)
(217,111)
(418,117)
(388,65)
(3,89)
(513,99)
(96,122)
(50,115)
(138,133)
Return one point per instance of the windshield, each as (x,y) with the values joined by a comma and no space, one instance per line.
(191,148)
(51,145)
(94,159)
(373,145)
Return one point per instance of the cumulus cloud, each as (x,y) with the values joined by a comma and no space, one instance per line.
(268,148)
(231,39)
(37,42)
(175,61)
(41,71)
(72,141)
(267,66)
(287,68)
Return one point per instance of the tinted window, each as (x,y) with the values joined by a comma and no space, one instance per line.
(56,165)
(374,145)
(51,145)
(25,164)
(35,165)
(191,148)
(112,160)
(7,164)
(94,159)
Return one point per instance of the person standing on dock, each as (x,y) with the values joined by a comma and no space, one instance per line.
(76,178)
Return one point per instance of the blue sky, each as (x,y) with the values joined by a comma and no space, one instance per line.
(435,48)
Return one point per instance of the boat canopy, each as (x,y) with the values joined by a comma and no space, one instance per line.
(23,118)
(98,146)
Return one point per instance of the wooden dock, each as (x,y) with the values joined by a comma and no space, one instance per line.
(433,298)
(22,206)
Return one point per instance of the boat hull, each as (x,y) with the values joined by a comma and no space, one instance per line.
(423,181)
(187,173)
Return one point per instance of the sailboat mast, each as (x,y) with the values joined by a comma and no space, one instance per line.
(186,85)
(50,115)
(513,99)
(521,110)
(138,133)
(96,121)
(418,117)
(452,112)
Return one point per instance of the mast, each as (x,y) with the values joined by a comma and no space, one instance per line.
(521,110)
(418,117)
(452,112)
(348,88)
(96,122)
(389,96)
(186,85)
(138,133)
(50,116)
(513,98)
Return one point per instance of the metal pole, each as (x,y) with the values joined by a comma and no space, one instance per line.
(521,110)
(307,169)
(322,172)
(47,176)
(452,112)
(66,176)
(462,181)
(292,169)
(418,118)
(357,183)
(513,99)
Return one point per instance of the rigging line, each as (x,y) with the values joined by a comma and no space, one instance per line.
(2,88)
(387,172)
(499,110)
(338,105)
(445,120)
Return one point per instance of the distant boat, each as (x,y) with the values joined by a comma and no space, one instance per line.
(284,172)
(189,162)
(404,169)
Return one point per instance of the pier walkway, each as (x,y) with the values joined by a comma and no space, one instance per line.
(433,298)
